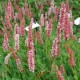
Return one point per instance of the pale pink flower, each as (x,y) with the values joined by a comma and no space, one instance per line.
(66,29)
(16,40)
(9,9)
(5,42)
(31,63)
(7,58)
(16,29)
(62,14)
(54,51)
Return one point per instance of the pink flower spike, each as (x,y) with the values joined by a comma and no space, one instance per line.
(67,6)
(59,32)
(30,53)
(16,39)
(54,51)
(16,29)
(48,28)
(66,27)
(9,9)
(62,12)
(31,60)
(22,27)
(7,58)
(52,6)
(5,42)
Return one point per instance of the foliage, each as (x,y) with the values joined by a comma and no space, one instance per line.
(43,60)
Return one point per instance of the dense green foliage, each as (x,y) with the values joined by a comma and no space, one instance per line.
(43,60)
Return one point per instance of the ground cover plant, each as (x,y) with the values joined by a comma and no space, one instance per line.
(46,52)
